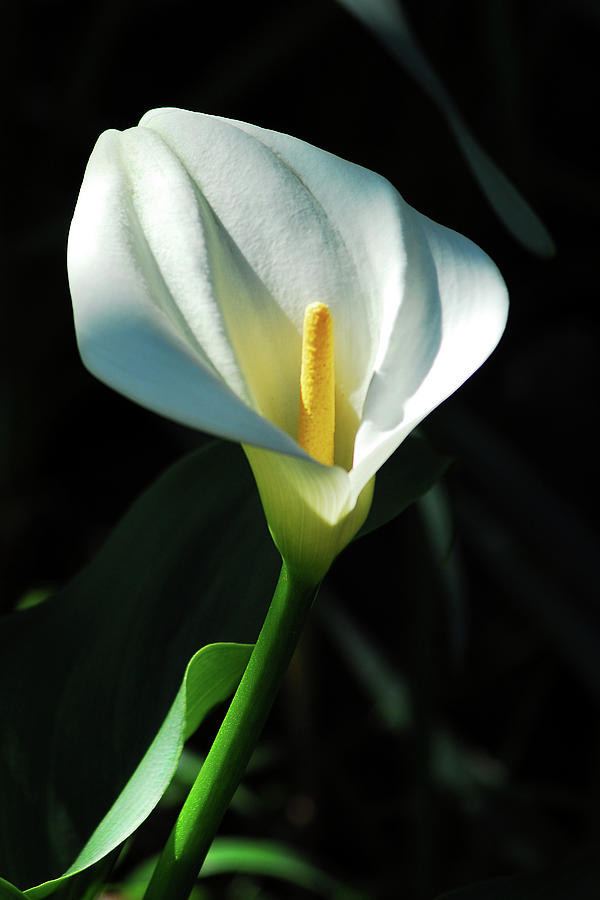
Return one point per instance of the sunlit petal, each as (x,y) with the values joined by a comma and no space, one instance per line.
(196,246)
(452,316)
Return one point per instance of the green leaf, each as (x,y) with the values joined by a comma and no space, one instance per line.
(408,474)
(95,685)
(275,860)
(8,892)
(211,676)
(261,858)
(387,21)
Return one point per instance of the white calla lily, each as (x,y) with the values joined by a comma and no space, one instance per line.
(196,245)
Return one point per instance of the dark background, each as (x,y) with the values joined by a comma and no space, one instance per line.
(502,654)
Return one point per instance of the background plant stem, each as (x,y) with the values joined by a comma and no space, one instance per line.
(207,802)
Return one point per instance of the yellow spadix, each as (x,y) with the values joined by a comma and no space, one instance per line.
(316,419)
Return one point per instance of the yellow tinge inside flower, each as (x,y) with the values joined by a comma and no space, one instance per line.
(316,420)
(309,505)
(190,280)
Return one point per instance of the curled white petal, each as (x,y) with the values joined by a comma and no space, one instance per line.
(452,316)
(197,243)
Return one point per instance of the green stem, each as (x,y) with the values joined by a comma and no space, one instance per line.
(180,862)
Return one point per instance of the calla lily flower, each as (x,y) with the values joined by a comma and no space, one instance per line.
(196,246)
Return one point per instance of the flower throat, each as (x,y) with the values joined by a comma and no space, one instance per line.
(316,419)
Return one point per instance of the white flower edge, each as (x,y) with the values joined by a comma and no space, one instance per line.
(195,236)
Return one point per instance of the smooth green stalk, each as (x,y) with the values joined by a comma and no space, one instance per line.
(224,767)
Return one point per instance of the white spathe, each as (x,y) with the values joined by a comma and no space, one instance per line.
(196,244)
